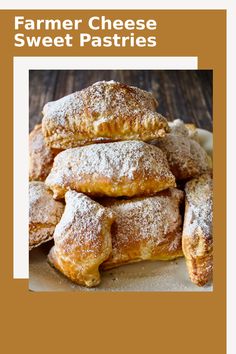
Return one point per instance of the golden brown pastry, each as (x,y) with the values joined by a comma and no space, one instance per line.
(44,214)
(146,228)
(40,156)
(127,168)
(186,158)
(104,112)
(82,239)
(197,230)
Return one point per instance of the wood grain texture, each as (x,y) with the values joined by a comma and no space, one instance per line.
(184,94)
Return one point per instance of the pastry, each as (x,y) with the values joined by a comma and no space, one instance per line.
(128,168)
(197,230)
(186,158)
(104,112)
(145,228)
(82,239)
(44,214)
(40,156)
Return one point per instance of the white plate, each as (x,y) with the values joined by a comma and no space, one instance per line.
(141,276)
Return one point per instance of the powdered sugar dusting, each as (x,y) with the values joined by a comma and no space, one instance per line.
(119,99)
(143,224)
(101,98)
(113,161)
(43,209)
(106,110)
(40,155)
(60,110)
(186,158)
(38,142)
(81,226)
(199,194)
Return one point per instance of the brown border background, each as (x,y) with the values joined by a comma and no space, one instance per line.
(119,322)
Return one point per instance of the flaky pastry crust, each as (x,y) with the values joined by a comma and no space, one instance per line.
(82,239)
(186,158)
(104,112)
(40,155)
(197,231)
(145,228)
(44,214)
(128,168)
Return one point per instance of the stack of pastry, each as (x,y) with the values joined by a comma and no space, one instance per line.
(104,171)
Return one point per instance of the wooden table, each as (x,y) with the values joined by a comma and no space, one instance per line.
(185,94)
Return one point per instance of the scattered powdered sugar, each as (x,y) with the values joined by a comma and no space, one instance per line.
(108,110)
(118,99)
(40,156)
(59,110)
(111,161)
(38,142)
(103,98)
(199,194)
(43,209)
(81,225)
(186,157)
(151,220)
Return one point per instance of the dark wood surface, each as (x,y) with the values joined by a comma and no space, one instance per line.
(184,94)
